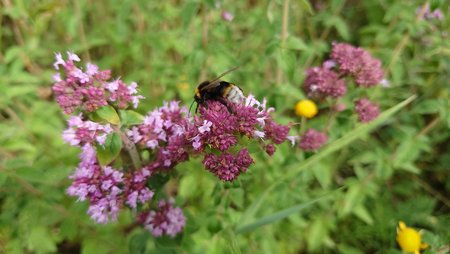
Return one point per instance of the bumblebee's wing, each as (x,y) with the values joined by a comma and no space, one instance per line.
(216,82)
(210,86)
(223,74)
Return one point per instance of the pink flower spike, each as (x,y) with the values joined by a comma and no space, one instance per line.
(57,77)
(83,77)
(165,220)
(112,86)
(329,64)
(385,83)
(367,110)
(101,139)
(437,14)
(134,134)
(136,99)
(152,143)
(259,134)
(196,144)
(91,69)
(293,139)
(132,88)
(70,137)
(75,121)
(59,61)
(251,101)
(227,16)
(206,127)
(312,140)
(72,56)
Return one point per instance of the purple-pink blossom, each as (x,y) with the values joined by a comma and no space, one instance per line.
(227,16)
(322,82)
(339,107)
(367,110)
(101,186)
(358,63)
(218,128)
(228,166)
(270,149)
(89,89)
(163,132)
(136,190)
(428,14)
(312,140)
(82,132)
(165,220)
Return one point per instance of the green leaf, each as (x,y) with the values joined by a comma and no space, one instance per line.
(188,12)
(307,6)
(130,117)
(167,242)
(295,43)
(157,181)
(317,234)
(69,229)
(138,243)
(323,174)
(230,238)
(353,197)
(360,131)
(343,248)
(108,114)
(110,150)
(341,28)
(40,240)
(93,246)
(362,213)
(3,178)
(289,91)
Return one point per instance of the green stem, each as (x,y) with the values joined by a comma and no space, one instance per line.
(283,37)
(303,125)
(132,151)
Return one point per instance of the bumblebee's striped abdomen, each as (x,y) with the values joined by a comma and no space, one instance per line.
(233,93)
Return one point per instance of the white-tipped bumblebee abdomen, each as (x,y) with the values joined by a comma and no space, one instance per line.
(235,95)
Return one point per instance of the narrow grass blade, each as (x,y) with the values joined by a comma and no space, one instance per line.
(278,215)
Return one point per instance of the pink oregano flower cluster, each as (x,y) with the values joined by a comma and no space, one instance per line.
(163,132)
(165,137)
(108,188)
(165,220)
(91,88)
(218,130)
(331,80)
(365,70)
(346,63)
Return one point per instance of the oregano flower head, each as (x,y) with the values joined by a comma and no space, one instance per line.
(218,130)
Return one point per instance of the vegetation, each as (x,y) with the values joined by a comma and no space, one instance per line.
(347,196)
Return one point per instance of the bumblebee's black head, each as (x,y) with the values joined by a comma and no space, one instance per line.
(199,95)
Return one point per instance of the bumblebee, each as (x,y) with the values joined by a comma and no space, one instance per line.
(221,91)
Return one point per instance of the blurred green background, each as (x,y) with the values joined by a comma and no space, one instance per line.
(400,171)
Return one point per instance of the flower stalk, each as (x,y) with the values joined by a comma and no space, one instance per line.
(132,151)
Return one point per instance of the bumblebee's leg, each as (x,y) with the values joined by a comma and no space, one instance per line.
(225,103)
(201,103)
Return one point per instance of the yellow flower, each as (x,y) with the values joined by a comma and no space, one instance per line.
(306,108)
(409,239)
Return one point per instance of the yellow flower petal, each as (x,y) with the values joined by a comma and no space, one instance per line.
(409,239)
(306,108)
